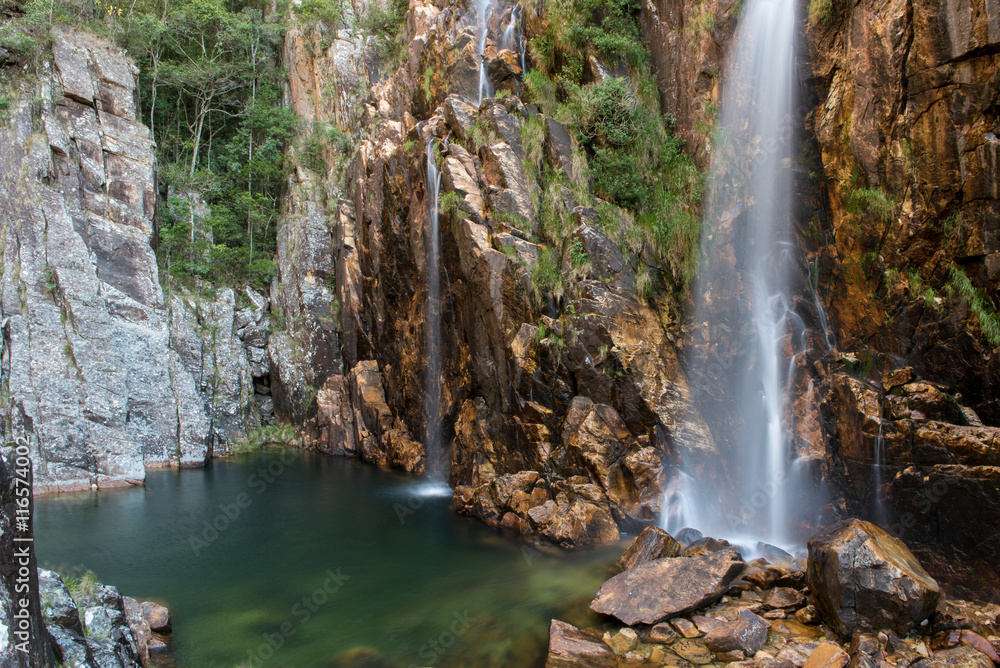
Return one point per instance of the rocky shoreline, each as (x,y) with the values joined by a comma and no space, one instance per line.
(861,599)
(100,627)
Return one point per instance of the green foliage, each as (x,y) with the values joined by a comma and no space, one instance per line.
(820,12)
(386,25)
(950,227)
(328,13)
(872,201)
(268,435)
(211,78)
(450,203)
(546,276)
(480,134)
(607,27)
(578,256)
(979,304)
(628,151)
(81,586)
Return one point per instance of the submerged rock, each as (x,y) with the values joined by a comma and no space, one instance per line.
(958,657)
(865,579)
(569,647)
(664,588)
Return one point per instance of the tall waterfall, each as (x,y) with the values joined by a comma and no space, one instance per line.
(483,10)
(432,380)
(746,334)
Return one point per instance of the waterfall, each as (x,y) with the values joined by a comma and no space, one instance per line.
(432,381)
(745,348)
(483,10)
(512,39)
(881,517)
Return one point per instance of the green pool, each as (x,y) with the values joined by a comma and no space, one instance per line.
(283,558)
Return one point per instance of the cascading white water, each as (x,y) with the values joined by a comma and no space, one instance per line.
(483,10)
(751,175)
(877,476)
(512,38)
(432,381)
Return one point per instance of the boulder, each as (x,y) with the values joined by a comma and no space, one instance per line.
(58,606)
(624,641)
(665,588)
(784,598)
(865,580)
(157,616)
(748,634)
(653,543)
(569,647)
(827,655)
(958,657)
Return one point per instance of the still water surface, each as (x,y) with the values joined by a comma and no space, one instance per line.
(318,556)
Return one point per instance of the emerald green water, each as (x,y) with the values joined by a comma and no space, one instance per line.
(317,556)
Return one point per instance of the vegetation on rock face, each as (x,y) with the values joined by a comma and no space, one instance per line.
(628,150)
(210,82)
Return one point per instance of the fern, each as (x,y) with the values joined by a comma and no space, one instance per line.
(989,321)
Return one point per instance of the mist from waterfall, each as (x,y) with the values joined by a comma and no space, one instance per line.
(749,352)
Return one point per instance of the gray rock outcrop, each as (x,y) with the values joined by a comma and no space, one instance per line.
(104,377)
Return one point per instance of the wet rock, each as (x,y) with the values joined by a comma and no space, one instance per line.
(664,588)
(661,633)
(808,615)
(653,543)
(686,627)
(865,579)
(827,655)
(706,545)
(624,641)
(705,624)
(157,616)
(571,648)
(783,597)
(760,576)
(693,651)
(748,634)
(575,523)
(958,657)
(973,639)
(983,618)
(140,629)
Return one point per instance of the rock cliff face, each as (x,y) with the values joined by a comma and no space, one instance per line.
(103,375)
(561,415)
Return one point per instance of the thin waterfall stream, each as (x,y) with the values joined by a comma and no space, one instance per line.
(483,10)
(435,475)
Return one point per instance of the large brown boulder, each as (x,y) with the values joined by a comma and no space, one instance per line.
(864,579)
(653,543)
(746,634)
(570,647)
(666,588)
